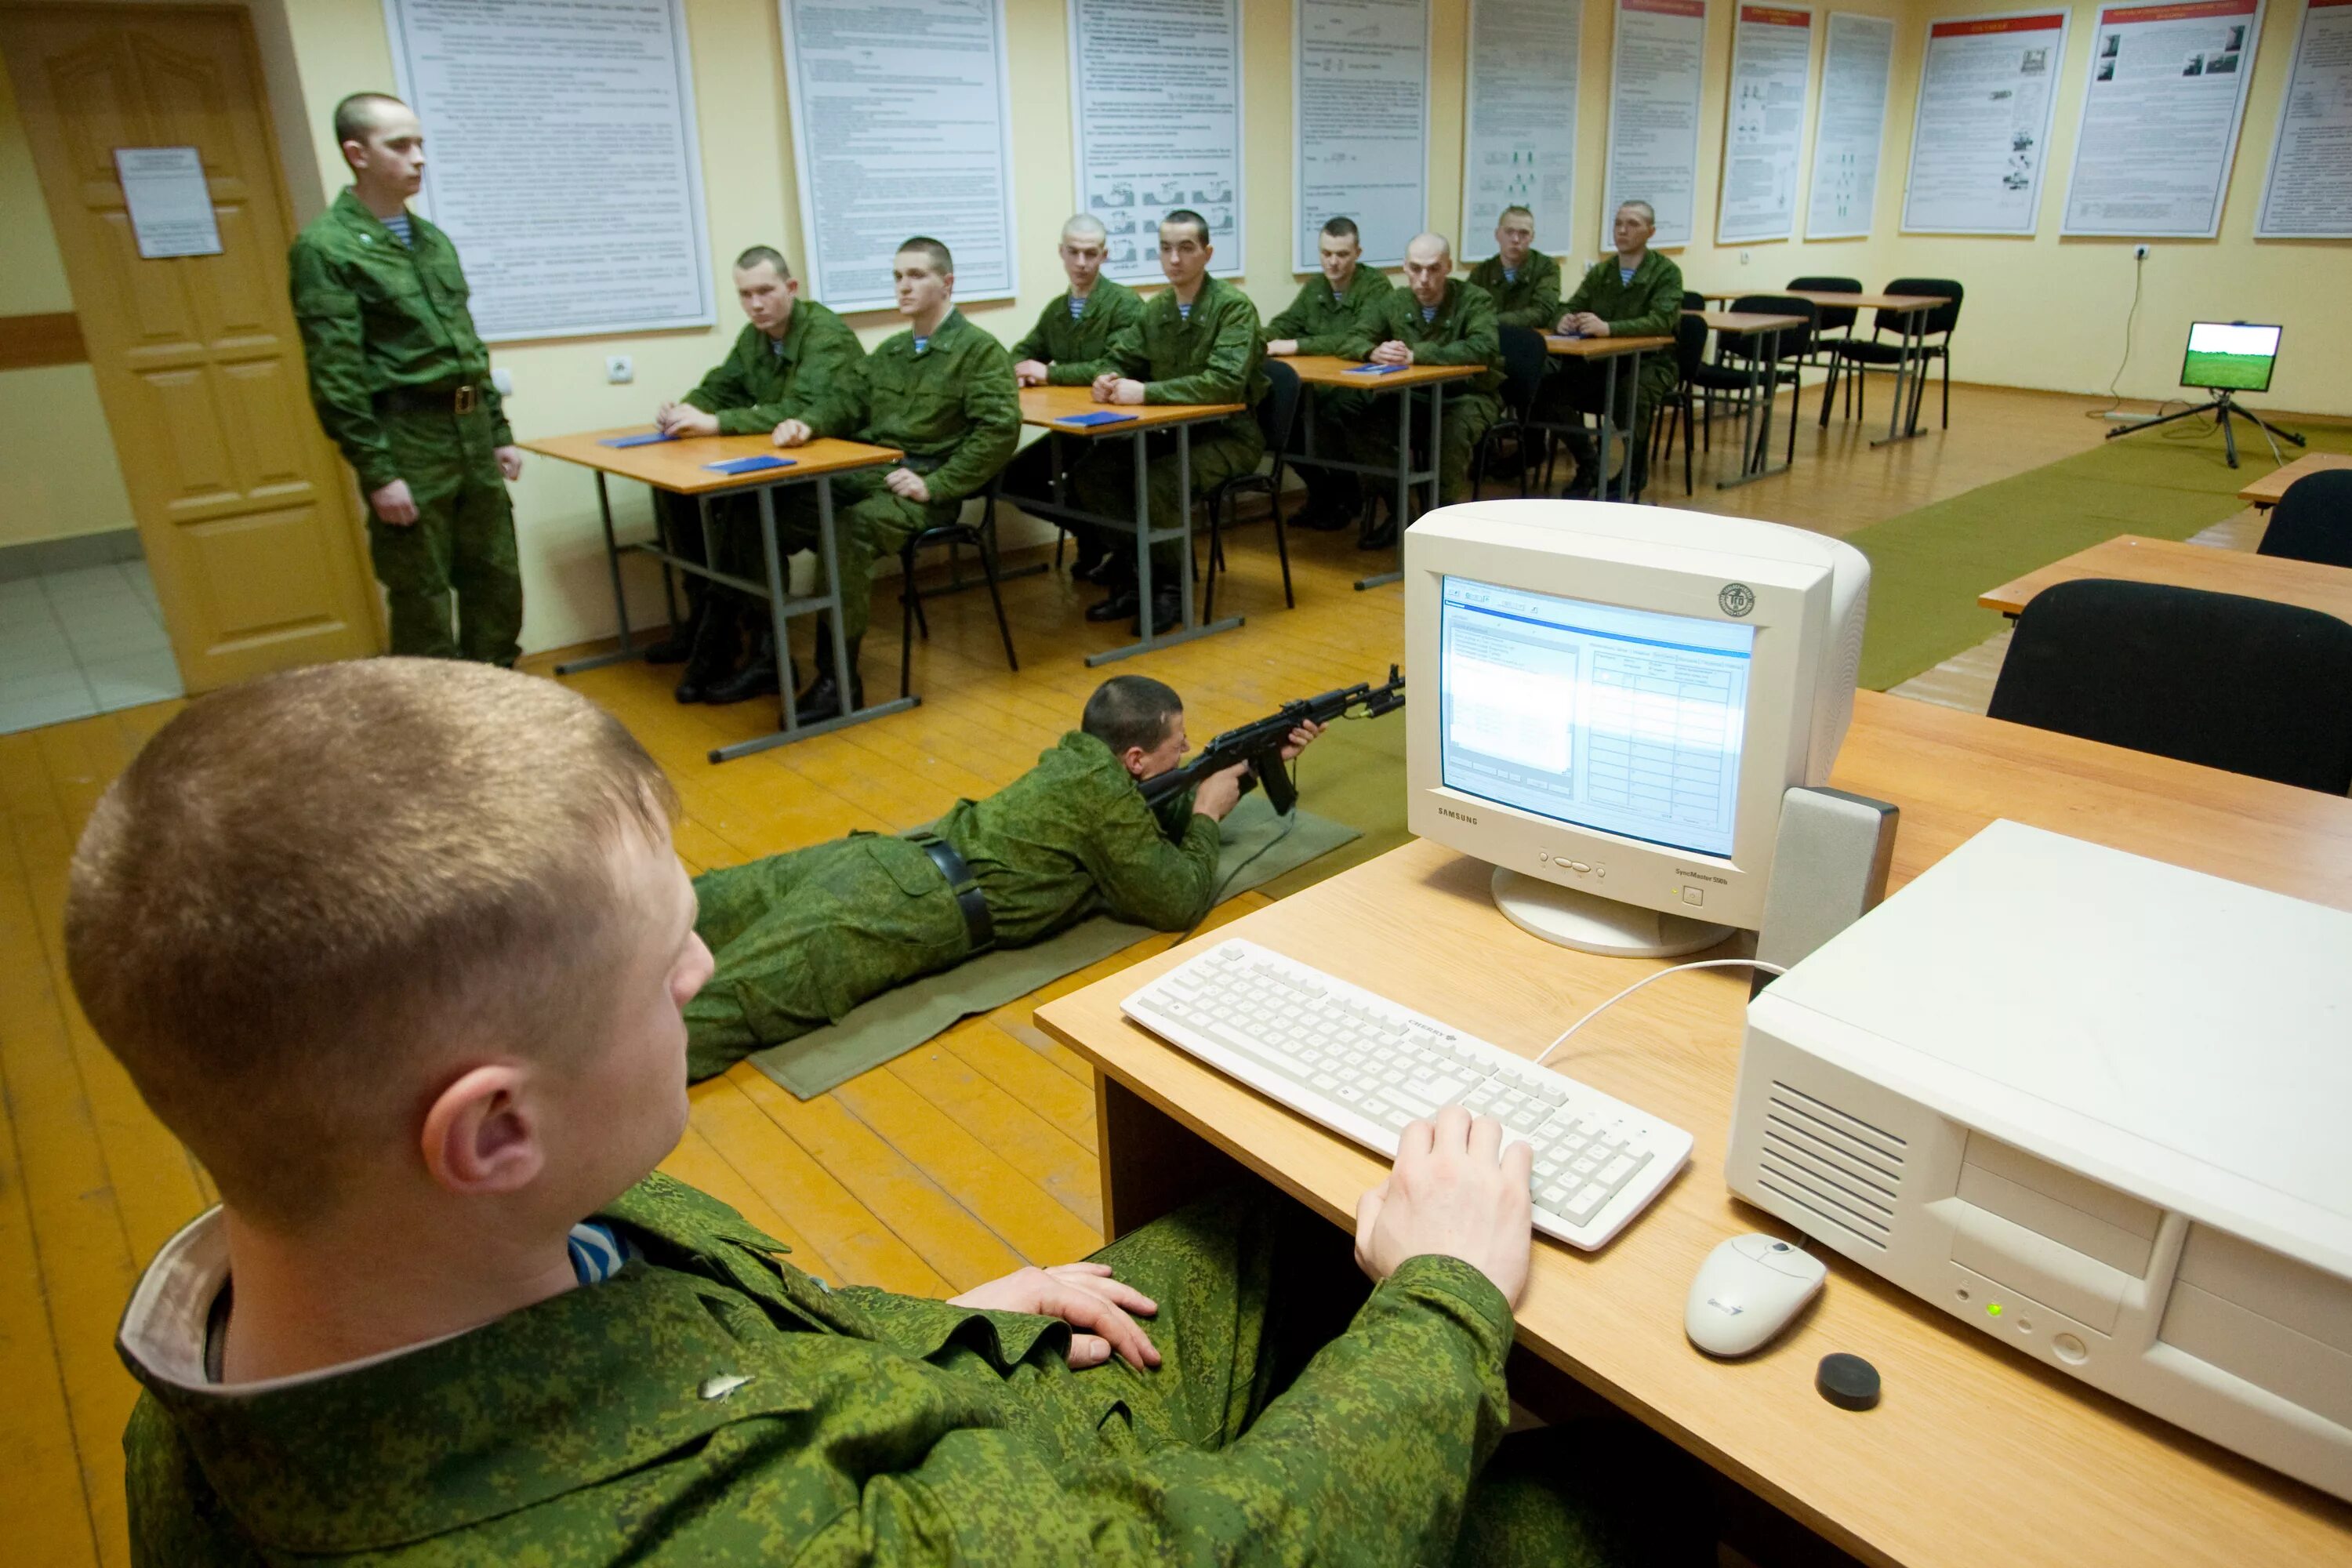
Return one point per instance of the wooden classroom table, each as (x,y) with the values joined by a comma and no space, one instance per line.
(1976,1456)
(1763,362)
(1055,409)
(680,467)
(1912,308)
(1354,375)
(2264,493)
(2134,559)
(1607,349)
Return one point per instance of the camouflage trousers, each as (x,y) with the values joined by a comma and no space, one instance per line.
(1251,1286)
(801,937)
(462,542)
(1104,482)
(868,522)
(1467,416)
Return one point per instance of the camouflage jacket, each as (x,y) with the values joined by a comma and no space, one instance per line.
(710,1403)
(1321,324)
(1530,299)
(952,407)
(1649,306)
(764,381)
(376,314)
(1073,836)
(1216,354)
(1066,344)
(1462,333)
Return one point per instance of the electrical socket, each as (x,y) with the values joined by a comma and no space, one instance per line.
(2139,253)
(1743,259)
(619,368)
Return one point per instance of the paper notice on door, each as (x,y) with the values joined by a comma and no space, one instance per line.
(171,206)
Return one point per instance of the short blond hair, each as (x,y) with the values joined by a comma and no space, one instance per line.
(308,893)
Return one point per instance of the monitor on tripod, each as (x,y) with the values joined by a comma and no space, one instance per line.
(2230,355)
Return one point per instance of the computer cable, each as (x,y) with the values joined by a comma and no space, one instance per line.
(1659,974)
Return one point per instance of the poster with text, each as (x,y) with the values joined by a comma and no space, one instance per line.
(2308,195)
(2160,118)
(902,126)
(1857,74)
(517,96)
(1764,134)
(1518,146)
(1655,80)
(1360,123)
(1156,117)
(1981,137)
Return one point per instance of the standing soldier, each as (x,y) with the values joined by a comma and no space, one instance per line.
(400,382)
(1523,281)
(1342,304)
(1435,319)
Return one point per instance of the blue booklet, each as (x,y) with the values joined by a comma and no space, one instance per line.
(1378,369)
(749,465)
(1093,419)
(648,439)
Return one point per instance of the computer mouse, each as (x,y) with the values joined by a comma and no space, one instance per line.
(1746,1291)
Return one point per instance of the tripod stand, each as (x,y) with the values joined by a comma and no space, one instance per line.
(2222,407)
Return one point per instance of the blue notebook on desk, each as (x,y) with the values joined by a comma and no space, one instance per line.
(1376,370)
(749,465)
(648,439)
(1093,419)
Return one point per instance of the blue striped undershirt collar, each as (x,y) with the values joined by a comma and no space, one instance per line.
(598,1251)
(402,230)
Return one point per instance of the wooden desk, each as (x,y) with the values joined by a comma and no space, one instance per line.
(1632,348)
(1977,1455)
(1053,409)
(681,467)
(2264,492)
(1756,451)
(1353,375)
(2135,559)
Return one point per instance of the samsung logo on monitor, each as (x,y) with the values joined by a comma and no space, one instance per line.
(1457,816)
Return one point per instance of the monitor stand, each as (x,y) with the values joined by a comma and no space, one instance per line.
(1589,923)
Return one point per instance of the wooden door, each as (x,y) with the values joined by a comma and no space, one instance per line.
(244,509)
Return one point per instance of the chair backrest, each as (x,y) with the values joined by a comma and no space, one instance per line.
(1835,318)
(1794,342)
(1278,411)
(1526,357)
(2312,522)
(1694,301)
(1941,319)
(1690,345)
(2249,685)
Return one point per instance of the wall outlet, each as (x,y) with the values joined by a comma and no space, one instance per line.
(502,381)
(1743,259)
(2139,253)
(620,368)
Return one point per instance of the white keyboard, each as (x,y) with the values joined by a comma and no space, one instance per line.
(1364,1067)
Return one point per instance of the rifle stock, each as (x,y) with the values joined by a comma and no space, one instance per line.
(1259,742)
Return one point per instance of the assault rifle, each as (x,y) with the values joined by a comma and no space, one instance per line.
(1259,743)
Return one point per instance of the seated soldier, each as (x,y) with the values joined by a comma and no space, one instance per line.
(1197,343)
(399,950)
(1435,319)
(1072,331)
(792,347)
(801,938)
(942,391)
(1331,311)
(1523,281)
(1636,293)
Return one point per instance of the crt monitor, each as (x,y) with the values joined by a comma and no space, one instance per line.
(2230,355)
(1623,696)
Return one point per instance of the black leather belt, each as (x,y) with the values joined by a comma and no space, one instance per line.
(977,924)
(463,398)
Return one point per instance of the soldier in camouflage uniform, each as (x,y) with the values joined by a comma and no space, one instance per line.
(1075,329)
(1331,311)
(1636,293)
(942,391)
(397,1342)
(400,381)
(1198,342)
(1523,281)
(791,349)
(1436,318)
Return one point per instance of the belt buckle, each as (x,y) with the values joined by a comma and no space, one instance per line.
(468,397)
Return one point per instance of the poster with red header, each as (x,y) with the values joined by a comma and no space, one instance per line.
(2160,116)
(1655,80)
(1981,134)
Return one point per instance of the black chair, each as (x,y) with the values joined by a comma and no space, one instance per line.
(1690,360)
(1855,356)
(954,535)
(2249,685)
(2312,522)
(1835,322)
(1278,413)
(1791,349)
(1525,359)
(1694,301)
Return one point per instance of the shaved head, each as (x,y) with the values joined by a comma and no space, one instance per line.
(1430,248)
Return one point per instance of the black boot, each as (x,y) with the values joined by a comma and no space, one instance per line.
(758,675)
(716,637)
(1118,606)
(678,647)
(821,701)
(1166,612)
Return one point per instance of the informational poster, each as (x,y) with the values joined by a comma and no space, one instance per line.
(1857,74)
(1764,134)
(520,99)
(170,201)
(1360,127)
(1157,120)
(1988,87)
(2160,118)
(902,126)
(1518,147)
(2308,195)
(1656,81)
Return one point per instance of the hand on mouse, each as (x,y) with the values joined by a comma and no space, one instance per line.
(1457,1192)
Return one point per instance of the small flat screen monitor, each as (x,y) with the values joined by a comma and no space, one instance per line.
(2230,355)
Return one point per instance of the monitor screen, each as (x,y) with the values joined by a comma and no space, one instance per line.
(1595,716)
(2230,354)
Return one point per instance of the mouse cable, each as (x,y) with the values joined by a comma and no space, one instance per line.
(1660,975)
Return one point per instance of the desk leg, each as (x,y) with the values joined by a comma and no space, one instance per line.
(1152,1164)
(1608,434)
(1404,486)
(1756,462)
(628,648)
(1191,626)
(1914,322)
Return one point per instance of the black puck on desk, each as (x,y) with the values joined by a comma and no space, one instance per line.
(1847,1382)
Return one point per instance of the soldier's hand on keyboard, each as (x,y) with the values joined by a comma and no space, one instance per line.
(1455,1192)
(1219,792)
(1085,1296)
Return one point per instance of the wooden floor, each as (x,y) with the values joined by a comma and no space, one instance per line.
(950,1166)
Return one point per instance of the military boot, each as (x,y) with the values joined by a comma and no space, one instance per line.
(678,647)
(758,675)
(716,640)
(821,701)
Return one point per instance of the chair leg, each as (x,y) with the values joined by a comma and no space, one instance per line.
(906,605)
(1687,443)
(988,571)
(1208,580)
(1060,533)
(1281,541)
(1828,391)
(1946,357)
